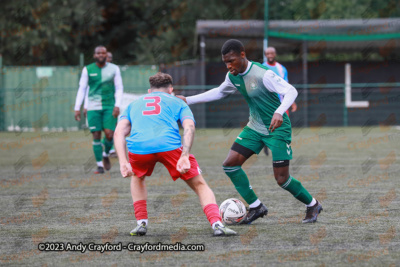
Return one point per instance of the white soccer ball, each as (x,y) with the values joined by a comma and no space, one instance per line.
(232,211)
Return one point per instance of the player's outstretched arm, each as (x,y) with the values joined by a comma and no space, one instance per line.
(182,98)
(225,89)
(123,129)
(183,164)
(209,96)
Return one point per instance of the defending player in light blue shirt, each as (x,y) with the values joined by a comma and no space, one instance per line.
(151,126)
(155,128)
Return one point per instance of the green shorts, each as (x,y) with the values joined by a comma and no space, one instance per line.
(255,141)
(101,119)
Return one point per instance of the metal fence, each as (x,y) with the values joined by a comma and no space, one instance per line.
(43,98)
(319,105)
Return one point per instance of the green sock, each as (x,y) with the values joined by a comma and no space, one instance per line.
(98,150)
(241,182)
(107,145)
(297,190)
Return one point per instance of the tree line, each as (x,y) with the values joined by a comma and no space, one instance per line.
(56,32)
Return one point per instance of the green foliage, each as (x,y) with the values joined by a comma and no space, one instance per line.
(333,9)
(55,32)
(46,32)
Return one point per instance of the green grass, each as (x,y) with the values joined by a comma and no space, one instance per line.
(46,196)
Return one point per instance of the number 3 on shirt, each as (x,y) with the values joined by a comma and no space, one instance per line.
(155,105)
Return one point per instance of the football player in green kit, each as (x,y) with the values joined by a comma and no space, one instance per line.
(104,82)
(268,125)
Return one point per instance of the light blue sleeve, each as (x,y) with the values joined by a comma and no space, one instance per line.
(185,113)
(126,114)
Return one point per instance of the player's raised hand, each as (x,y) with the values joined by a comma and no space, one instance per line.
(182,97)
(115,112)
(77,115)
(275,122)
(126,170)
(183,165)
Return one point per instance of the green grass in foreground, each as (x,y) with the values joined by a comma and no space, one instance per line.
(48,194)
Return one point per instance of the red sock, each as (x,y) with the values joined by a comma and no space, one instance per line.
(140,207)
(212,213)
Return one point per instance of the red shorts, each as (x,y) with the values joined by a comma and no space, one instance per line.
(143,165)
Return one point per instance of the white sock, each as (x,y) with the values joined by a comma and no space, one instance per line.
(112,151)
(313,202)
(146,221)
(105,155)
(214,224)
(100,164)
(255,204)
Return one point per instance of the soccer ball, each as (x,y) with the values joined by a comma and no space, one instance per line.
(232,211)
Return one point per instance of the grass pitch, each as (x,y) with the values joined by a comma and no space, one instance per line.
(48,194)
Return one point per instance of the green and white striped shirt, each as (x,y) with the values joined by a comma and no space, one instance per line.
(103,87)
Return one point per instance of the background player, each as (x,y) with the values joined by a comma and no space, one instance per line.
(109,57)
(151,124)
(112,153)
(103,82)
(272,64)
(269,125)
